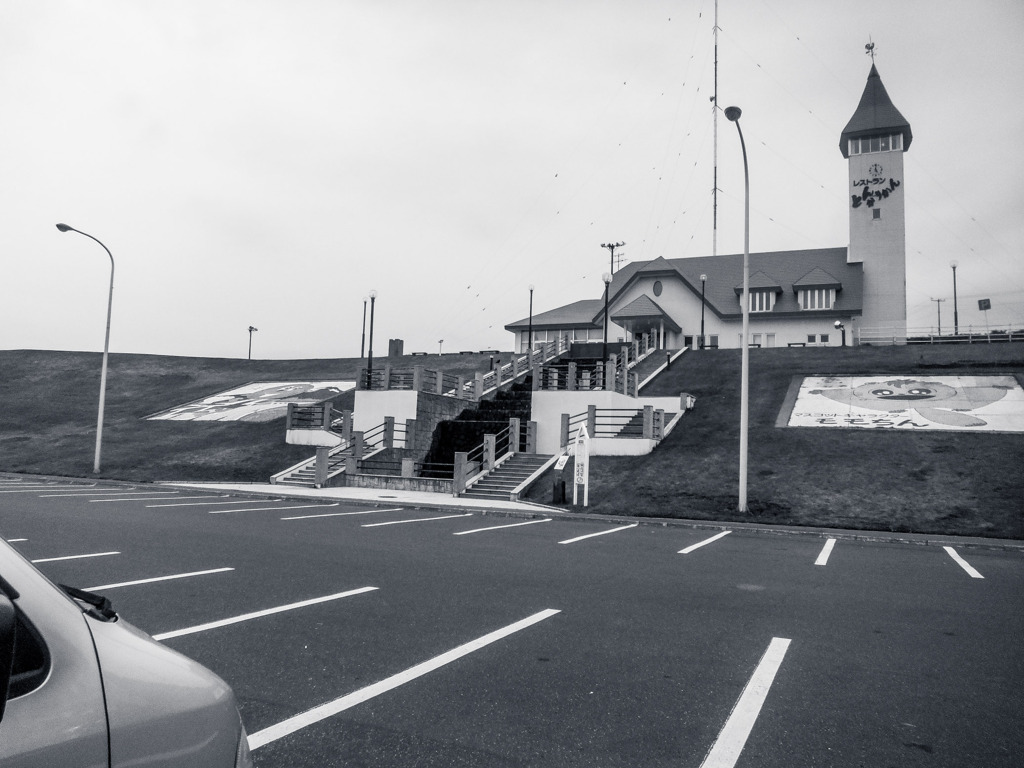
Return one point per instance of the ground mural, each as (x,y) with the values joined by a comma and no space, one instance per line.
(953,403)
(256,401)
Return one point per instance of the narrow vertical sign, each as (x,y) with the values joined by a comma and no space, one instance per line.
(581,472)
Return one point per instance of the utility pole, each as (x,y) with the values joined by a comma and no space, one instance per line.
(714,188)
(938,307)
(611,249)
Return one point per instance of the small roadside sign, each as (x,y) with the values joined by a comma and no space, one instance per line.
(581,474)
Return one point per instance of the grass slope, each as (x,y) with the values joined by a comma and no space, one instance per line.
(935,482)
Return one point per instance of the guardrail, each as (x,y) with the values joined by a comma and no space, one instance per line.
(647,423)
(891,336)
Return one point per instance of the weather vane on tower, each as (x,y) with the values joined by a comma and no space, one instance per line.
(869,49)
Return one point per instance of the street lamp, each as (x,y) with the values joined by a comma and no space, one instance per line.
(362,344)
(956,315)
(607,277)
(251,329)
(106,347)
(369,359)
(529,338)
(703,280)
(440,345)
(733,114)
(842,329)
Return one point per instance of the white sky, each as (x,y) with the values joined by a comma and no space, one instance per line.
(268,163)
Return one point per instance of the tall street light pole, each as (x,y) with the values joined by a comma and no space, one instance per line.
(251,330)
(369,358)
(529,340)
(106,348)
(607,277)
(362,344)
(733,114)
(956,315)
(703,280)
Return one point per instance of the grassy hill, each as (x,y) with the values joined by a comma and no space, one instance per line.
(935,482)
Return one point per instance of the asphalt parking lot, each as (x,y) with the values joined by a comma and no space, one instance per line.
(357,634)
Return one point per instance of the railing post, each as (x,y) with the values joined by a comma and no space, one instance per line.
(288,418)
(417,378)
(352,460)
(609,373)
(648,422)
(563,432)
(659,424)
(592,420)
(408,468)
(513,435)
(531,437)
(460,391)
(320,479)
(361,382)
(439,382)
(478,387)
(570,377)
(460,473)
(489,448)
(387,377)
(410,433)
(634,379)
(346,426)
(389,432)
(537,373)
(358,447)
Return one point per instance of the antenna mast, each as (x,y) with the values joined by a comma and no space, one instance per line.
(611,249)
(714,109)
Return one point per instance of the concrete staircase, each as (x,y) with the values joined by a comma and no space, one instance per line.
(304,474)
(500,483)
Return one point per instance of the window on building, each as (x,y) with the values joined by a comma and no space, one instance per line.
(769,339)
(824,338)
(869,144)
(811,338)
(761,301)
(817,298)
(712,341)
(657,287)
(755,339)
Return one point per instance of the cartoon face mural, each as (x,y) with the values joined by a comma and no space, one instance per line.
(946,402)
(259,401)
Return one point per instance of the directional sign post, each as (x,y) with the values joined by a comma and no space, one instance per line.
(581,473)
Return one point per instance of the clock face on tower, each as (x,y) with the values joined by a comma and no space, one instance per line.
(875,169)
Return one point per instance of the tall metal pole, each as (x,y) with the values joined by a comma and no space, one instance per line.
(529,340)
(714,110)
(362,344)
(611,250)
(938,307)
(956,315)
(703,280)
(106,348)
(369,359)
(733,113)
(607,283)
(251,329)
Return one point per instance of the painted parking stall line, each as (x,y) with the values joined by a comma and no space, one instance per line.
(272,509)
(260,614)
(501,527)
(963,563)
(826,551)
(733,737)
(415,520)
(215,503)
(342,514)
(155,579)
(151,498)
(600,533)
(74,557)
(324,711)
(704,543)
(15,541)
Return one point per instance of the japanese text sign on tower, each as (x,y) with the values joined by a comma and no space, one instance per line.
(581,472)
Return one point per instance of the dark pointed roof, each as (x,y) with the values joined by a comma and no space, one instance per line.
(875,114)
(643,307)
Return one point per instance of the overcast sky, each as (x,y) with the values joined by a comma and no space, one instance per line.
(269,163)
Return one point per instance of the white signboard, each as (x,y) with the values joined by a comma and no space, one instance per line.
(581,474)
(256,401)
(916,403)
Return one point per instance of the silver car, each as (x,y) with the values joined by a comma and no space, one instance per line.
(85,688)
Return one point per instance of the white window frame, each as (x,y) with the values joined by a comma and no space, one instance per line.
(814,299)
(758,298)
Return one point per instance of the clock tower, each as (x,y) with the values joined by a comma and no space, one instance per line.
(873,143)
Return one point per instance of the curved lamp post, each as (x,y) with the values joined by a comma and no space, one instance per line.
(369,357)
(252,329)
(106,348)
(956,315)
(733,114)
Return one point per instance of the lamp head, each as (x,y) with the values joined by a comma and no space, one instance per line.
(953,263)
(703,278)
(531,287)
(373,294)
(63,227)
(839,325)
(607,278)
(733,113)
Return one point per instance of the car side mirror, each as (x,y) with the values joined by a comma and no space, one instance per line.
(8,628)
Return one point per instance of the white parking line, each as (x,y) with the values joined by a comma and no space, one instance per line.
(342,514)
(153,498)
(215,503)
(599,533)
(331,708)
(825,552)
(416,520)
(700,544)
(499,527)
(104,494)
(157,578)
(74,557)
(963,563)
(260,614)
(14,541)
(272,509)
(727,747)
(39,488)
